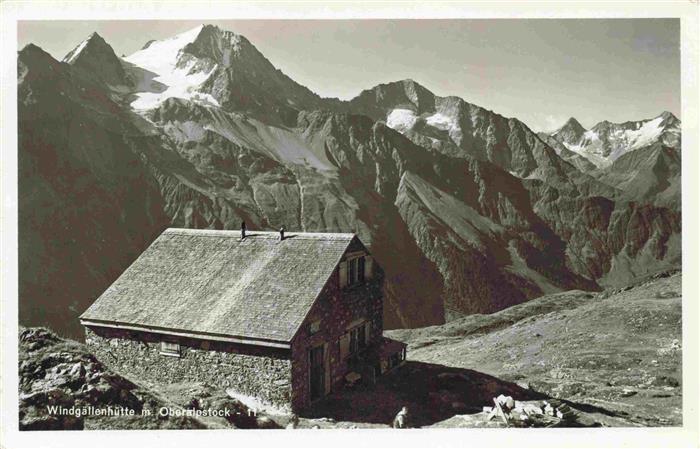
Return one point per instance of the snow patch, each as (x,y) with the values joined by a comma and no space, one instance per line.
(645,134)
(443,122)
(590,151)
(401,119)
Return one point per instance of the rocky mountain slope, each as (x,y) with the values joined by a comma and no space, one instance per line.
(457,128)
(96,58)
(650,174)
(88,203)
(614,354)
(466,210)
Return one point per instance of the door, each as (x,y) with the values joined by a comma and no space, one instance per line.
(317,373)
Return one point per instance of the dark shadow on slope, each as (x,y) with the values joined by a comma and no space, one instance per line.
(431,392)
(589,408)
(143,80)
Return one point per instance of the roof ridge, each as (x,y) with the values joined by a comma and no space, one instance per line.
(254,233)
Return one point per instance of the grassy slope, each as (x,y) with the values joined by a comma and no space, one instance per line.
(615,354)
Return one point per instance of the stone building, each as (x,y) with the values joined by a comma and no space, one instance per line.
(285,319)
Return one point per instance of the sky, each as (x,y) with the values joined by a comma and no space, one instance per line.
(541,71)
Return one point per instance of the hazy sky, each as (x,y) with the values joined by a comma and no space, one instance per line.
(541,71)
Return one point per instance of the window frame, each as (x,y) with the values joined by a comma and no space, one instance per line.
(170,348)
(361,269)
(358,340)
(354,346)
(355,270)
(352,271)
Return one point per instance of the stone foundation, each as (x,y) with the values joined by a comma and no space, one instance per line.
(264,373)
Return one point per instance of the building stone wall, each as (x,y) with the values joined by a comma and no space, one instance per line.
(256,371)
(277,376)
(336,308)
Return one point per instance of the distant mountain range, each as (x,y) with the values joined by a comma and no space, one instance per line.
(641,158)
(606,142)
(467,211)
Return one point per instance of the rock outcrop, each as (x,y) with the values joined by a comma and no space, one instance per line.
(64,387)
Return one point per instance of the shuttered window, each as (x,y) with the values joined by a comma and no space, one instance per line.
(355,340)
(344,346)
(355,270)
(368,267)
(352,271)
(326,369)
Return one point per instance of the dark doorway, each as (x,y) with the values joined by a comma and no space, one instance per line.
(317,372)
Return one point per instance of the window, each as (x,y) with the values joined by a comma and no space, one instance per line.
(352,271)
(314,327)
(355,269)
(360,269)
(168,348)
(355,340)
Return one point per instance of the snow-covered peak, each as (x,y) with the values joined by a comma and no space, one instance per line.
(181,76)
(160,57)
(224,47)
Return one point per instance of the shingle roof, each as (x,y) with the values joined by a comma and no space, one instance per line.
(212,282)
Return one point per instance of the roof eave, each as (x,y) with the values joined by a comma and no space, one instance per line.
(184,333)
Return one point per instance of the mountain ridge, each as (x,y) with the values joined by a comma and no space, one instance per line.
(467,211)
(95,55)
(607,141)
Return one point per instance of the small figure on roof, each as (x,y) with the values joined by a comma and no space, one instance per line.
(242,229)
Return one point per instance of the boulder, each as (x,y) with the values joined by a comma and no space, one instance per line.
(50,422)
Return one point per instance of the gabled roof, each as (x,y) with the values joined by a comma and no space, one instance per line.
(212,282)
